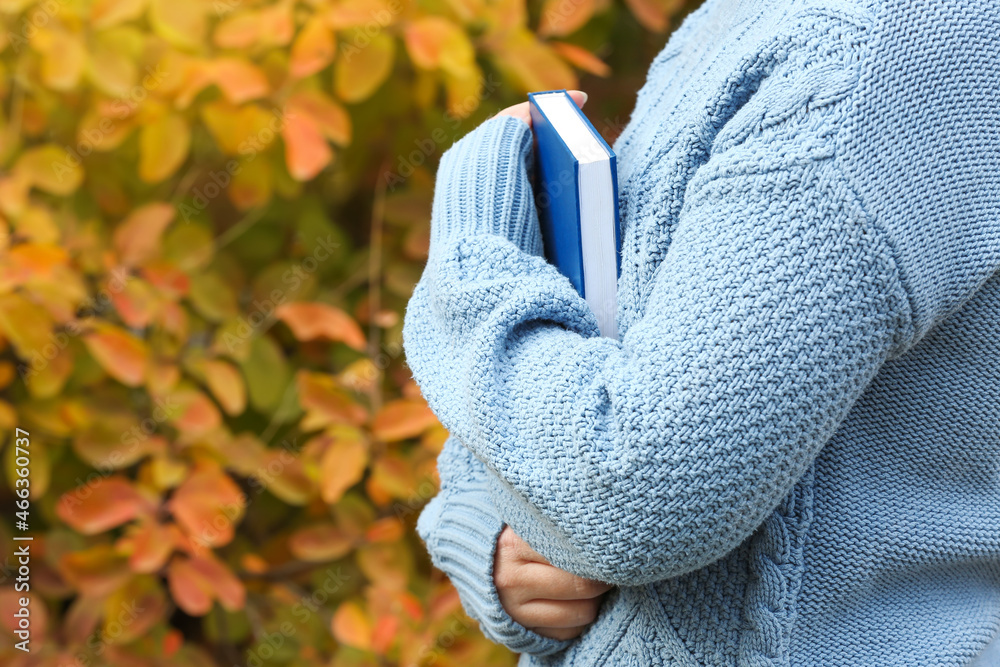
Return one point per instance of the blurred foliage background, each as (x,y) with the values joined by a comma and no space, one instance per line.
(212,213)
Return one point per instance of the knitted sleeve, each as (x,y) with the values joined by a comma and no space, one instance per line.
(637,460)
(460,527)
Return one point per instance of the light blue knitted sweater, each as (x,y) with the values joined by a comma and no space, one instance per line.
(792,457)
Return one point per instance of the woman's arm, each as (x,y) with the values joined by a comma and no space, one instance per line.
(633,461)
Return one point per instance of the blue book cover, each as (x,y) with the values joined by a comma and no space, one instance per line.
(576,192)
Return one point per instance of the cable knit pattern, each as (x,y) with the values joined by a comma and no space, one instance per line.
(772,463)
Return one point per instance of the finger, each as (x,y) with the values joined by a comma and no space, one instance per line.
(511,546)
(521,111)
(546,582)
(578,96)
(561,634)
(556,613)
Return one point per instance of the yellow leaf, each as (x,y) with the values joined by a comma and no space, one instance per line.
(111,69)
(342,466)
(358,72)
(532,64)
(97,571)
(357,13)
(313,49)
(234,127)
(351,626)
(401,419)
(49,168)
(27,326)
(107,13)
(102,133)
(326,403)
(64,57)
(465,91)
(181,22)
(137,238)
(141,601)
(226,384)
(163,147)
(48,379)
(582,58)
(252,185)
(118,352)
(562,17)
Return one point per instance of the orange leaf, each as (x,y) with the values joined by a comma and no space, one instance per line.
(401,419)
(320,542)
(435,42)
(195,413)
(395,476)
(306,150)
(313,49)
(189,588)
(311,321)
(150,543)
(351,626)
(239,80)
(118,352)
(163,147)
(342,466)
(385,632)
(207,505)
(10,604)
(333,119)
(582,58)
(654,14)
(137,303)
(325,402)
(238,31)
(102,505)
(226,588)
(358,73)
(137,238)
(562,17)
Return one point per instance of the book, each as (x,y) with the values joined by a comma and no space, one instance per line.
(576,192)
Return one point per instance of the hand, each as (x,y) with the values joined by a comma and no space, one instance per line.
(540,596)
(521,110)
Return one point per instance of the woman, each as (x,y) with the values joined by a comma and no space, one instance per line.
(792,455)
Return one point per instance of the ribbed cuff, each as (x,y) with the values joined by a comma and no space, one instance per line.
(461,529)
(483,186)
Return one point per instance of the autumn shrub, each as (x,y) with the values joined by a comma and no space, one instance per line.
(212,213)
